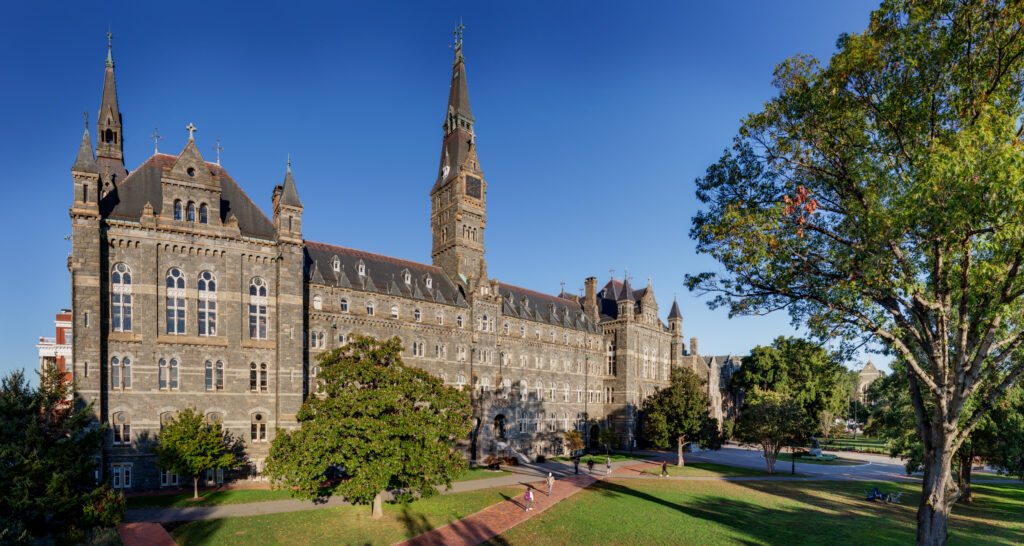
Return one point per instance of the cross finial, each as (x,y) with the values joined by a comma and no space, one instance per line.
(191,131)
(156,139)
(611,271)
(110,57)
(218,149)
(563,287)
(86,114)
(289,162)
(626,275)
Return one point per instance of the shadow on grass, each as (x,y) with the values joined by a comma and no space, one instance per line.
(421,531)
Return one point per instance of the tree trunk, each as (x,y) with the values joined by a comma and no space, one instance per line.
(964,475)
(378,506)
(679,448)
(195,486)
(938,493)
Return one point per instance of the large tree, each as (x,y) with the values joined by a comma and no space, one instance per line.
(388,426)
(188,445)
(49,451)
(772,421)
(680,414)
(878,198)
(798,369)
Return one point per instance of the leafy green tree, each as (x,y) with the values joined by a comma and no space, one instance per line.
(772,421)
(573,440)
(797,369)
(607,437)
(877,199)
(50,448)
(389,426)
(680,414)
(189,446)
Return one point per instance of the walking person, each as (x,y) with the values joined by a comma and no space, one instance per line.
(664,469)
(590,465)
(608,465)
(528,498)
(576,465)
(551,482)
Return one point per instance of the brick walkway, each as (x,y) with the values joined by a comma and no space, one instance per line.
(491,522)
(144,534)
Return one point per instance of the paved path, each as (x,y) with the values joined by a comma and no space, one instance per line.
(494,520)
(144,534)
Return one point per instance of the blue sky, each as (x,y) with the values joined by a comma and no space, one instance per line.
(593,120)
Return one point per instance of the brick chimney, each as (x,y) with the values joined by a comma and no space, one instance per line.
(590,298)
(693,346)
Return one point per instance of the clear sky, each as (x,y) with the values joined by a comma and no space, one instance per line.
(593,120)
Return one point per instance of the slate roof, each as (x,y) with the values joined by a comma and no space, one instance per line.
(384,274)
(85,161)
(609,296)
(127,200)
(289,195)
(539,307)
(674,312)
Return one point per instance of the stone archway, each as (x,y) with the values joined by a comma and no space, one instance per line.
(595,431)
(499,426)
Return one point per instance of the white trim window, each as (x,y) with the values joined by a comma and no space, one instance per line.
(458,320)
(121,476)
(214,376)
(120,299)
(369,308)
(120,373)
(565,393)
(318,302)
(394,311)
(524,392)
(460,381)
(257,308)
(168,375)
(206,304)
(258,428)
(540,390)
(344,305)
(440,318)
(175,302)
(416,315)
(258,377)
(121,426)
(168,478)
(506,387)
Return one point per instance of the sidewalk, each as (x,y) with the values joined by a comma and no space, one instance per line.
(494,520)
(144,534)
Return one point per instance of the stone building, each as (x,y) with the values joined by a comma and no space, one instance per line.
(185,294)
(865,377)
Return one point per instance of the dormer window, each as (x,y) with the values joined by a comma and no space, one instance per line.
(408,278)
(336,264)
(430,282)
(362,269)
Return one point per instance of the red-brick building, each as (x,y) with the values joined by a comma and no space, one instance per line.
(57,350)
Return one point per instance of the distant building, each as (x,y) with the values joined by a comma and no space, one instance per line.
(866,377)
(57,350)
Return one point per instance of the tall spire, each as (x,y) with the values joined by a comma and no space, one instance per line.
(674,312)
(289,195)
(85,161)
(458,120)
(109,145)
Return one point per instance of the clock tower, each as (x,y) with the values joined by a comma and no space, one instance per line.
(459,197)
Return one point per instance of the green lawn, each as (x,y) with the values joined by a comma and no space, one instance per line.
(599,459)
(761,512)
(860,443)
(787,457)
(342,525)
(707,470)
(481,473)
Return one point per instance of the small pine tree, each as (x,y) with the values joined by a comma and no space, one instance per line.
(189,446)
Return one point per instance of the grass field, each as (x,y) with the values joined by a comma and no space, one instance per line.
(344,524)
(787,457)
(860,443)
(242,496)
(695,470)
(761,512)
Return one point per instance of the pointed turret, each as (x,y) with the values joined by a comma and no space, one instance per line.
(627,291)
(85,162)
(674,312)
(290,195)
(626,301)
(110,145)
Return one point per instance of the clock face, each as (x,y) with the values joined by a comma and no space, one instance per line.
(473,187)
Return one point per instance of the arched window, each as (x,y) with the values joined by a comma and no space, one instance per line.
(263,378)
(320,341)
(611,358)
(162,374)
(204,214)
(122,426)
(258,428)
(362,269)
(408,278)
(522,331)
(506,328)
(439,317)
(318,303)
(174,374)
(506,387)
(214,376)
(369,308)
(177,210)
(257,308)
(430,282)
(540,389)
(120,373)
(254,384)
(175,301)
(416,315)
(190,212)
(579,393)
(344,305)
(206,307)
(460,380)
(394,311)
(565,392)
(121,299)
(551,391)
(336,264)
(458,320)
(523,390)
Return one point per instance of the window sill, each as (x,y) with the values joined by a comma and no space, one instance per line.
(212,341)
(259,343)
(124,336)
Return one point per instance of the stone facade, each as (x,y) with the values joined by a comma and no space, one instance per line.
(184,294)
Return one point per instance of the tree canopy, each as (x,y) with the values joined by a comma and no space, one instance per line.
(49,446)
(188,445)
(797,369)
(877,198)
(386,425)
(772,421)
(680,414)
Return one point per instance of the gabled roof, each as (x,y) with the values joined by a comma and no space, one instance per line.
(537,306)
(143,186)
(388,272)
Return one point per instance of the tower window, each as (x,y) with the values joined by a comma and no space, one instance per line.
(190,171)
(190,212)
(204,214)
(108,136)
(175,302)
(120,299)
(177,210)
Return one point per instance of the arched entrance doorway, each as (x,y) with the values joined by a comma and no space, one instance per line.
(595,431)
(499,427)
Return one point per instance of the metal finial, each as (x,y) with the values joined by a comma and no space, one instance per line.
(86,114)
(156,139)
(289,162)
(191,131)
(110,57)
(218,148)
(612,272)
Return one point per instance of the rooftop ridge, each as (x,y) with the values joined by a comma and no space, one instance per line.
(550,297)
(371,255)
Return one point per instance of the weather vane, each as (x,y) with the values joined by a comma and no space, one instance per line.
(156,139)
(218,148)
